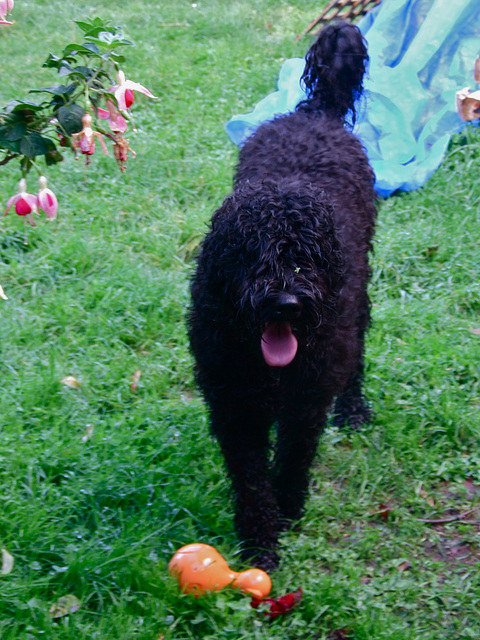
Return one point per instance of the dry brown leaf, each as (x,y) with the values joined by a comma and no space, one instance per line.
(135,379)
(404,566)
(429,500)
(71,381)
(475,331)
(64,606)
(7,563)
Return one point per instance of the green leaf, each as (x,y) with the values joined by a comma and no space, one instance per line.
(13,146)
(94,31)
(52,61)
(96,24)
(87,49)
(25,164)
(84,26)
(56,90)
(53,157)
(91,47)
(64,70)
(85,72)
(108,41)
(21,105)
(14,130)
(70,118)
(117,58)
(33,144)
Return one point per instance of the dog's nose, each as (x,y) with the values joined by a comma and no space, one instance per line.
(287,307)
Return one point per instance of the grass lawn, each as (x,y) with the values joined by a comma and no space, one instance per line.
(100,484)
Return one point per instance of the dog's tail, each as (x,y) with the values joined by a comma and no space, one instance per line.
(334,68)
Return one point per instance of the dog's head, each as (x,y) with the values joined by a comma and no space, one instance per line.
(273,267)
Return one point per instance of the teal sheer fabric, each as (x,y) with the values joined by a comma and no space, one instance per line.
(421,53)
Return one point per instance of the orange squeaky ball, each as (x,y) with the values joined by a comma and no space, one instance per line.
(199,568)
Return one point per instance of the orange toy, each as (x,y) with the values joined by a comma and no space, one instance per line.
(199,568)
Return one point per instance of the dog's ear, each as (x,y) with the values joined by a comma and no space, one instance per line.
(221,259)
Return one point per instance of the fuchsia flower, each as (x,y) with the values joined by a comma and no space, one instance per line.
(47,200)
(120,151)
(85,139)
(25,203)
(123,91)
(116,121)
(6,6)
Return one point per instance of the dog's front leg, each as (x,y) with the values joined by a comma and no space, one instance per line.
(243,438)
(297,440)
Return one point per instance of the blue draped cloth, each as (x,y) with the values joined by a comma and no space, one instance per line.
(421,53)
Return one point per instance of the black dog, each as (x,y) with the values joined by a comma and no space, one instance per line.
(279,299)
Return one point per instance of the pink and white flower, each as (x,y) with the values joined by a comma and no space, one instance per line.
(25,203)
(116,121)
(46,199)
(123,91)
(6,6)
(85,139)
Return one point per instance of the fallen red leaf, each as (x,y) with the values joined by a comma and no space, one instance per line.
(384,510)
(278,606)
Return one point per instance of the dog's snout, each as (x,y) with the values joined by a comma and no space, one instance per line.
(287,307)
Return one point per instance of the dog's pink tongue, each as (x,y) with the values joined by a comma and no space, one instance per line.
(279,345)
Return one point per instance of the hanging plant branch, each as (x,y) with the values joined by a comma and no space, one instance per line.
(91,102)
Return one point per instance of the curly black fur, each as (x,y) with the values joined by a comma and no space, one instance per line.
(279,298)
(334,71)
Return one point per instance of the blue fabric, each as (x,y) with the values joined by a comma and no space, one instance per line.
(421,53)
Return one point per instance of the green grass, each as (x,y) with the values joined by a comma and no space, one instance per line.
(102,293)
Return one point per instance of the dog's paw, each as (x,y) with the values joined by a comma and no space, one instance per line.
(353,420)
(288,523)
(291,511)
(267,560)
